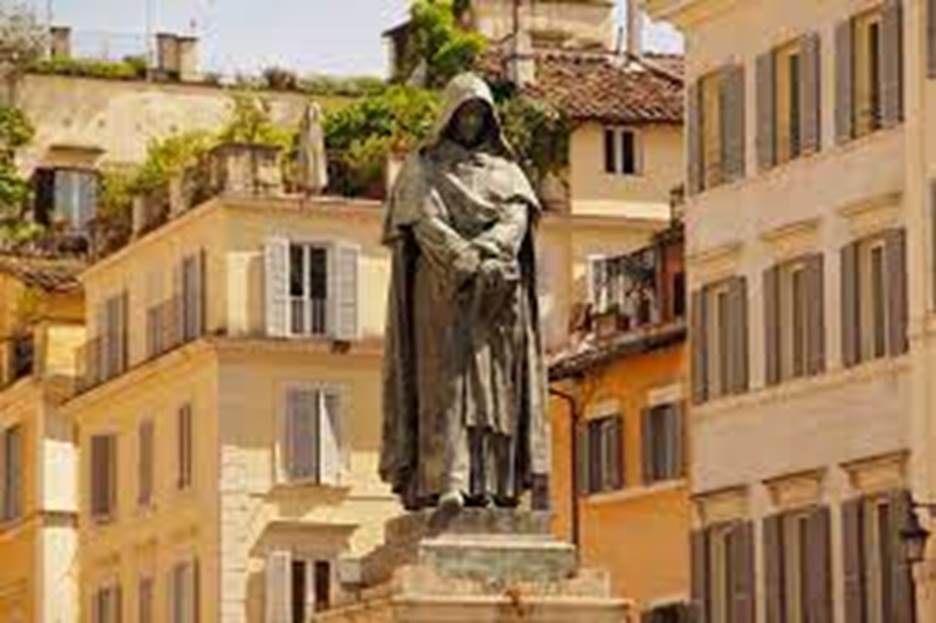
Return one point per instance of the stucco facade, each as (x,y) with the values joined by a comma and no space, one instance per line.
(852,429)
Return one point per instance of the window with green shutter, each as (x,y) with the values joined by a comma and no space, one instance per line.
(601,455)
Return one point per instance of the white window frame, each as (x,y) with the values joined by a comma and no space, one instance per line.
(619,131)
(330,248)
(281,447)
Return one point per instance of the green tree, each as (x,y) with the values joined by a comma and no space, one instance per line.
(15,132)
(438,43)
(251,122)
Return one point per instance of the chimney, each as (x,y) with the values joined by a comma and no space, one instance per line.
(188,58)
(634,29)
(521,64)
(61,41)
(167,54)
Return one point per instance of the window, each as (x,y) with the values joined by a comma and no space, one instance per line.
(720,352)
(723,588)
(878,582)
(146,458)
(676,613)
(296,587)
(67,197)
(308,289)
(313,435)
(797,565)
(193,296)
(20,357)
(794,325)
(601,455)
(621,151)
(145,604)
(311,289)
(715,125)
(626,285)
(663,443)
(103,476)
(184,596)
(108,352)
(874,298)
(106,605)
(185,447)
(869,71)
(11,473)
(788,76)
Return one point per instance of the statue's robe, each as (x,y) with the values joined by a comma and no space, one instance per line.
(464,387)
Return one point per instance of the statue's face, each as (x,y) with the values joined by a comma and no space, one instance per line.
(469,122)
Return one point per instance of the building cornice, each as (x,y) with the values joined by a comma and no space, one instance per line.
(685,14)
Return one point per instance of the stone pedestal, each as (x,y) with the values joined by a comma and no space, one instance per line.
(481,566)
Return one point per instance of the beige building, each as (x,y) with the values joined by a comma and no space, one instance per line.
(40,325)
(810,266)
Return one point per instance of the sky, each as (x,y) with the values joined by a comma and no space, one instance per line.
(244,36)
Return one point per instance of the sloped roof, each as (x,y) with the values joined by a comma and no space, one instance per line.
(50,274)
(605,87)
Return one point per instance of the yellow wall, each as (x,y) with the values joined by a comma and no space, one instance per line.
(639,534)
(589,21)
(646,195)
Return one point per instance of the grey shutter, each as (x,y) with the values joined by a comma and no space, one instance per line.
(302,434)
(693,139)
(773,568)
(815,302)
(345,292)
(851,327)
(811,94)
(582,462)
(679,442)
(931,38)
(891,63)
(739,335)
(595,480)
(276,279)
(901,570)
(698,340)
(844,82)
(698,542)
(741,551)
(853,556)
(733,122)
(278,590)
(766,111)
(646,450)
(772,325)
(896,267)
(819,585)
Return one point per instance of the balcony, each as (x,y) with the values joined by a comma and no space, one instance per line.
(101,359)
(163,327)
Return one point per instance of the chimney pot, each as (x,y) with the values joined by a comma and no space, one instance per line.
(634,28)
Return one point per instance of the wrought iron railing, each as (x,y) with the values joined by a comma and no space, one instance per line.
(101,359)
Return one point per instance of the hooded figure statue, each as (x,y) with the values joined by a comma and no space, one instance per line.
(464,385)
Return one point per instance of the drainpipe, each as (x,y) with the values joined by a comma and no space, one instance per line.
(573,488)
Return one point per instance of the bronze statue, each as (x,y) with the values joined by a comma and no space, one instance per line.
(464,392)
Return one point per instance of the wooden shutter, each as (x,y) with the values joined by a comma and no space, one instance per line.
(146,457)
(891,63)
(276,278)
(185,446)
(844,82)
(145,606)
(609,151)
(733,122)
(582,462)
(698,340)
(278,590)
(14,436)
(103,474)
(818,595)
(679,443)
(815,313)
(196,591)
(811,94)
(766,111)
(123,335)
(772,355)
(896,267)
(693,139)
(739,335)
(699,562)
(595,480)
(617,457)
(345,290)
(302,434)
(931,38)
(901,570)
(741,551)
(853,556)
(330,421)
(646,450)
(851,321)
(773,569)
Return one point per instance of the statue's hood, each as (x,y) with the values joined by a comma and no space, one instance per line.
(461,89)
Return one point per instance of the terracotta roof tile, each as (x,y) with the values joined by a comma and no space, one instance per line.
(52,275)
(604,87)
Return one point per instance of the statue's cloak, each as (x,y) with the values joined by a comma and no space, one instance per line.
(423,388)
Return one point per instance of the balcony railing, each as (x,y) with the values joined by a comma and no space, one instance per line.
(308,316)
(101,359)
(163,327)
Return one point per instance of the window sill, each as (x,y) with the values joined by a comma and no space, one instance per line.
(635,493)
